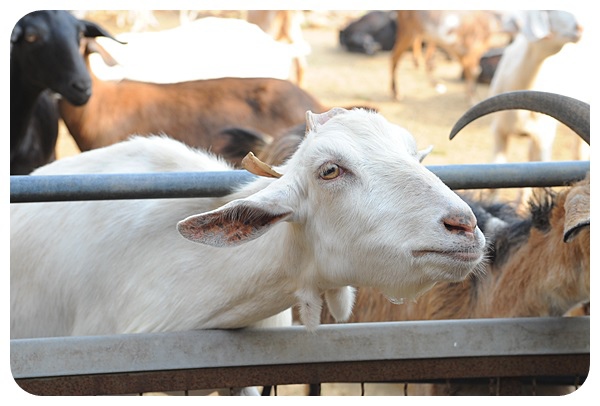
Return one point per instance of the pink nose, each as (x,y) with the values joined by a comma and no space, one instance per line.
(459,223)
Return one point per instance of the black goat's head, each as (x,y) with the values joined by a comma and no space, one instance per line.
(45,52)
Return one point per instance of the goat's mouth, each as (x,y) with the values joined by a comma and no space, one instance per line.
(458,256)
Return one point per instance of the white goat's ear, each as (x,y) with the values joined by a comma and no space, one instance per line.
(313,120)
(233,224)
(537,25)
(424,152)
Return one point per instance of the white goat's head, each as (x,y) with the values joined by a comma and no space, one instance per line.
(359,202)
(555,27)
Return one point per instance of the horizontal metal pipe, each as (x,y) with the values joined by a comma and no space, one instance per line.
(125,186)
(25,189)
(512,175)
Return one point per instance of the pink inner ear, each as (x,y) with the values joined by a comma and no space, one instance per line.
(230,227)
(324,117)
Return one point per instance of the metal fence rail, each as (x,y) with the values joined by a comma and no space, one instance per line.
(420,351)
(209,184)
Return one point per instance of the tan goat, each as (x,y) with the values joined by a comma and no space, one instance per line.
(465,35)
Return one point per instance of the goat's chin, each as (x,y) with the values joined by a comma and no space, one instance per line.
(428,267)
(447,266)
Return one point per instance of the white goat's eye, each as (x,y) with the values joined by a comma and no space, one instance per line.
(330,171)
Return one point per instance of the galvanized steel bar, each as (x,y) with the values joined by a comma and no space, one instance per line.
(48,357)
(511,175)
(210,184)
(125,186)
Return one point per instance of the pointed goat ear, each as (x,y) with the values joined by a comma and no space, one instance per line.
(577,211)
(233,224)
(424,152)
(313,120)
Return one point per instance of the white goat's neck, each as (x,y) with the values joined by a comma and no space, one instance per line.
(280,266)
(520,65)
(531,63)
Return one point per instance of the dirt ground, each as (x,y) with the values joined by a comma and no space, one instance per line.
(339,78)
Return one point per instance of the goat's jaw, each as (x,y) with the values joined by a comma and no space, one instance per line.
(455,256)
(447,266)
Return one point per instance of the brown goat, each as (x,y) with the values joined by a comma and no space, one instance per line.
(278,151)
(465,35)
(194,112)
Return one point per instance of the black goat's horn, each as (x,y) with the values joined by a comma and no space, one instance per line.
(573,113)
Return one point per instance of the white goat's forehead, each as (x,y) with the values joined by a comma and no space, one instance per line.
(562,19)
(366,131)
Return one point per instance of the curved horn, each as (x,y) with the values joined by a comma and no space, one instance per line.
(571,112)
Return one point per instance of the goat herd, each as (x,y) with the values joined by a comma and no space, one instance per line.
(341,212)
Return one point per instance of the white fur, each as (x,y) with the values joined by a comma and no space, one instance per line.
(542,35)
(207,48)
(110,267)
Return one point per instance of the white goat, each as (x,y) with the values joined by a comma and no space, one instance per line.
(284,26)
(347,212)
(221,47)
(575,58)
(543,34)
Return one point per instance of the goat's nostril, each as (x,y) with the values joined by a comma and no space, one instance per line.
(457,224)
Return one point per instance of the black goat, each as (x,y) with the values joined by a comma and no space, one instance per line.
(45,58)
(375,31)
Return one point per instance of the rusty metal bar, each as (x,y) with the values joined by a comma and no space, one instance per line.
(572,369)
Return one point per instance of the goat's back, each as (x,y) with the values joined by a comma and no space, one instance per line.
(100,237)
(138,155)
(194,112)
